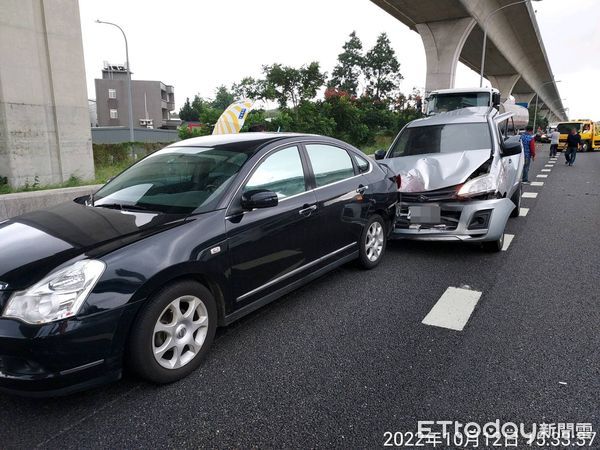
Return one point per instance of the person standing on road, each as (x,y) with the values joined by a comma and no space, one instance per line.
(554,138)
(573,143)
(528,142)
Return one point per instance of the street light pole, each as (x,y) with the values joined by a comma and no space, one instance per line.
(485,34)
(537,96)
(131,136)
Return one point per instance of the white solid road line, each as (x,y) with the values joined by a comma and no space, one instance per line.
(529,195)
(507,240)
(542,176)
(546,170)
(523,212)
(453,309)
(537,183)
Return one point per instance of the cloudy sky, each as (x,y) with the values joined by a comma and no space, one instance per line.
(199,45)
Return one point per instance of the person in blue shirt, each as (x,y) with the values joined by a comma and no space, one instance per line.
(528,142)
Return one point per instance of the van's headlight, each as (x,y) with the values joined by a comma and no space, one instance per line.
(58,296)
(480,185)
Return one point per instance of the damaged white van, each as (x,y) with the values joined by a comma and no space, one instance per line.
(460,175)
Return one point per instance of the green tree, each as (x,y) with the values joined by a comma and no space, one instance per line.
(200,105)
(248,88)
(382,70)
(187,113)
(291,85)
(348,117)
(223,98)
(346,73)
(313,117)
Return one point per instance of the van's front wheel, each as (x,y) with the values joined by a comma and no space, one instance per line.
(516,199)
(494,246)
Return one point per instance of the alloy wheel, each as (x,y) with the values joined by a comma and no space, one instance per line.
(179,332)
(374,241)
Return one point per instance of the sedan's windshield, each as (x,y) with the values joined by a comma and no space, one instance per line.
(442,139)
(174,180)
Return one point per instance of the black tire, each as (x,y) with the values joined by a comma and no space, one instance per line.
(365,257)
(588,146)
(494,246)
(516,199)
(142,340)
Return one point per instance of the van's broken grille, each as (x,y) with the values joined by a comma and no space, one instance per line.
(429,196)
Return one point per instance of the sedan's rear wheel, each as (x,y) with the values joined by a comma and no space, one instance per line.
(173,333)
(372,243)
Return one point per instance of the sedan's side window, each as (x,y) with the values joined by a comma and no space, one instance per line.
(330,164)
(281,173)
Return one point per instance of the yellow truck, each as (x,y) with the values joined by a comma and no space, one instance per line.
(587,129)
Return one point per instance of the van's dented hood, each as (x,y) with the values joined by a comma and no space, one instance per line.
(433,171)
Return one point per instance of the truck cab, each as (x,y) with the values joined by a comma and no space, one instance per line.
(445,100)
(587,129)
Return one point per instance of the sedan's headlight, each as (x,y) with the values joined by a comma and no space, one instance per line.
(480,185)
(57,296)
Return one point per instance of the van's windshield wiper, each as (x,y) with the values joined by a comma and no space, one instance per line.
(124,207)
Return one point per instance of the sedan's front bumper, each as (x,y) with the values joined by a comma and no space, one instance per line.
(458,222)
(61,357)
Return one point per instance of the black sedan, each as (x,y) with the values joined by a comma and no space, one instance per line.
(192,237)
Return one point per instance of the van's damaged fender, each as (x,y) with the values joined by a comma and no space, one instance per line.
(502,209)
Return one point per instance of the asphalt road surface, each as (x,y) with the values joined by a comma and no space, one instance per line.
(347,358)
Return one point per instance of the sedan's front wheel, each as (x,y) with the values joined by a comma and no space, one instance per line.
(173,333)
(372,242)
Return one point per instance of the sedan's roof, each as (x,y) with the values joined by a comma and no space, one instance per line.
(254,139)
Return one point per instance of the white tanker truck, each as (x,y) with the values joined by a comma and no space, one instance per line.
(444,100)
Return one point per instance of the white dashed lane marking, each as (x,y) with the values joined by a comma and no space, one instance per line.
(523,212)
(529,194)
(542,176)
(546,170)
(453,309)
(507,240)
(537,183)
(549,165)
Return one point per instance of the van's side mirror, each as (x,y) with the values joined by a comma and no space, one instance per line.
(511,146)
(380,154)
(260,198)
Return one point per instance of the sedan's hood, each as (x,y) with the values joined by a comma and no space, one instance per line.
(433,171)
(33,244)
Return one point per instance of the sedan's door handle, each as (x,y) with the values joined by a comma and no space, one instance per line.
(361,189)
(307,210)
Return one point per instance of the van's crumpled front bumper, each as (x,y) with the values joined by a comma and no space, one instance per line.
(457,223)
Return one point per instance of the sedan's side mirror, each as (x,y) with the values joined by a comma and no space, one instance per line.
(511,146)
(380,154)
(260,198)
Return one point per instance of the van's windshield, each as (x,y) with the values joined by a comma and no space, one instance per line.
(447,138)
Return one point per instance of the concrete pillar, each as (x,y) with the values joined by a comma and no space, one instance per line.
(443,41)
(504,83)
(524,97)
(44,125)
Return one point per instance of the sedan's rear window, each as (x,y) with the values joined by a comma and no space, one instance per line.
(446,138)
